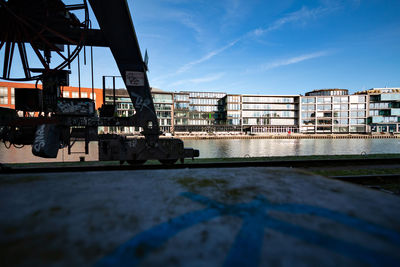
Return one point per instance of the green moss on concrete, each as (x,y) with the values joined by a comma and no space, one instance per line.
(193,184)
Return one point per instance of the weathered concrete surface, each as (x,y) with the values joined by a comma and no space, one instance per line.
(201,217)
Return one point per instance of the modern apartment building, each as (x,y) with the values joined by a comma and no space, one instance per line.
(333,111)
(230,110)
(261,113)
(384,110)
(197,111)
(325,111)
(270,114)
(164,106)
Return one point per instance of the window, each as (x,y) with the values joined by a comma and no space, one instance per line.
(162,98)
(232,98)
(91,96)
(84,94)
(3,95)
(75,94)
(12,96)
(181,97)
(65,94)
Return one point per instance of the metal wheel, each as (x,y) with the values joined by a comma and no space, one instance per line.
(34,29)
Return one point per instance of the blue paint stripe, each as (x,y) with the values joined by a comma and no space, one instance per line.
(345,248)
(246,250)
(132,252)
(342,218)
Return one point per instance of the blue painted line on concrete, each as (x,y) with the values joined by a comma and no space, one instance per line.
(136,249)
(341,247)
(246,249)
(345,219)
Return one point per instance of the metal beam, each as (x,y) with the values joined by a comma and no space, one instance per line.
(116,24)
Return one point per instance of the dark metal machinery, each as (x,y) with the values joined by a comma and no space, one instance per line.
(49,26)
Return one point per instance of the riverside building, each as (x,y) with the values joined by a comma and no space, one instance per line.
(197,111)
(384,110)
(270,114)
(163,104)
(333,111)
(325,111)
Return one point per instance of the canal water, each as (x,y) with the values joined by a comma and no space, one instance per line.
(232,148)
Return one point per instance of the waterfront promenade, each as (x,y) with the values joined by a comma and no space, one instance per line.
(199,136)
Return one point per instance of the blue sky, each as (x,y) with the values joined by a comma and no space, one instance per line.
(270,47)
(263,47)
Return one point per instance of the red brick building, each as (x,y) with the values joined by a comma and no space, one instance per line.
(7,98)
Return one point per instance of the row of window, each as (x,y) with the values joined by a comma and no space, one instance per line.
(164,122)
(266,121)
(336,114)
(336,129)
(385,128)
(334,107)
(67,94)
(390,119)
(330,122)
(203,108)
(328,92)
(181,97)
(336,99)
(181,105)
(268,113)
(163,106)
(233,98)
(233,106)
(163,114)
(162,98)
(125,106)
(206,95)
(380,105)
(263,99)
(233,121)
(269,106)
(204,101)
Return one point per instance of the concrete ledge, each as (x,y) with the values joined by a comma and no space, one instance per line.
(195,217)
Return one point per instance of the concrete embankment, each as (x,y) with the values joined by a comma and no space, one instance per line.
(287,136)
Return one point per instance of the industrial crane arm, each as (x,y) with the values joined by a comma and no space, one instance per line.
(116,25)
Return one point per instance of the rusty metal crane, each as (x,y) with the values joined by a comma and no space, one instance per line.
(48,26)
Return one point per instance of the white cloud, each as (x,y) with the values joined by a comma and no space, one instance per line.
(205,79)
(298,16)
(292,60)
(208,56)
(185,19)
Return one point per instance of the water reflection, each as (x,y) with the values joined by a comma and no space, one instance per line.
(292,147)
(233,148)
(24,155)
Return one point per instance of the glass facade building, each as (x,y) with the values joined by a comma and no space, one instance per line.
(164,106)
(326,111)
(384,110)
(319,112)
(333,114)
